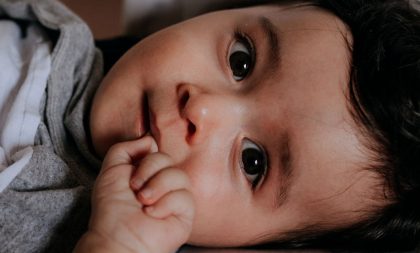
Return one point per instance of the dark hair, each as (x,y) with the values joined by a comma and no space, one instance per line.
(385,99)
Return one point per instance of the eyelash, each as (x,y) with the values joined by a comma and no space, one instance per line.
(248,144)
(242,37)
(245,39)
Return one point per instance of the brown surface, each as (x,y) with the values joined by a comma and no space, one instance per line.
(103,16)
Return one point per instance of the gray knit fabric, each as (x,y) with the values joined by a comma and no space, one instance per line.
(46,208)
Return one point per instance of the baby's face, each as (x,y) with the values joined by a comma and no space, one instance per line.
(252,104)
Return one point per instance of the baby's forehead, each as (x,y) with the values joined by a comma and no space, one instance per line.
(299,16)
(302,29)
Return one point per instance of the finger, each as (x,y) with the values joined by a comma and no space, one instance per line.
(178,204)
(149,166)
(128,152)
(163,182)
(113,180)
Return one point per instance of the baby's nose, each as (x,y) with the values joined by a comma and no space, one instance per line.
(206,113)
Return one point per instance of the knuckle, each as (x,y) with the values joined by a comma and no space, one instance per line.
(182,178)
(153,161)
(148,165)
(177,173)
(112,173)
(172,179)
(182,196)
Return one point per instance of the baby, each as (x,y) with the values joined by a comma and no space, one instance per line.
(239,128)
(289,123)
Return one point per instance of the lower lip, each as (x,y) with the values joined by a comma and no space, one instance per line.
(148,124)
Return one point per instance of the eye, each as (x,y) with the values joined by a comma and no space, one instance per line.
(253,162)
(241,58)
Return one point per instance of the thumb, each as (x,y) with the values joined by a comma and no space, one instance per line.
(118,165)
(129,152)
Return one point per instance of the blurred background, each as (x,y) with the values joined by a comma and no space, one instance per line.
(105,17)
(111,18)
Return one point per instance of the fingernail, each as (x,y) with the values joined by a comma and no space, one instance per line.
(146,193)
(154,147)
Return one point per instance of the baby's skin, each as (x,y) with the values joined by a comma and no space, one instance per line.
(140,203)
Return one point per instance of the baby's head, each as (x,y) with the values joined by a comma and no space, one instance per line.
(294,123)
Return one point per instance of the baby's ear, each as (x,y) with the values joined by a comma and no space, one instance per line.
(415,4)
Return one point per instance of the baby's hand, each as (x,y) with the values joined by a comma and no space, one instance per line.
(124,220)
(164,190)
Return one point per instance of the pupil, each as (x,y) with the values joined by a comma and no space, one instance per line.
(252,161)
(240,63)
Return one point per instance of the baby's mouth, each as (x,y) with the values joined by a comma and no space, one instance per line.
(149,124)
(145,120)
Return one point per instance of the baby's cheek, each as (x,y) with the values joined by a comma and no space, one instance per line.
(208,184)
(215,211)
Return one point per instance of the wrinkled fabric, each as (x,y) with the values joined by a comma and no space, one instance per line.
(25,61)
(46,207)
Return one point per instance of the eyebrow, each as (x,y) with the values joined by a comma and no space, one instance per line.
(270,32)
(285,159)
(285,174)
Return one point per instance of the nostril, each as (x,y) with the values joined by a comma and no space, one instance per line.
(184,99)
(191,131)
(191,128)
